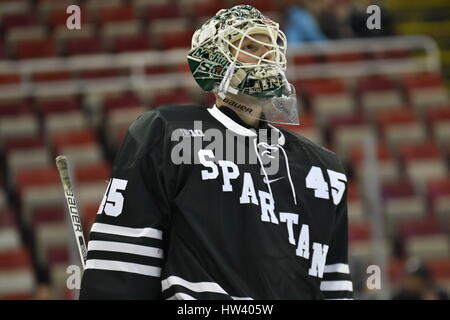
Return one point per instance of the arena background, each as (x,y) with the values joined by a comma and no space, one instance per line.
(378,98)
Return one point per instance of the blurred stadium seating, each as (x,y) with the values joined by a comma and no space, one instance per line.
(75,92)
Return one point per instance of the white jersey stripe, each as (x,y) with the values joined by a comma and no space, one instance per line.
(340,299)
(196,286)
(337,267)
(193,286)
(181,296)
(125,248)
(112,265)
(339,285)
(126,231)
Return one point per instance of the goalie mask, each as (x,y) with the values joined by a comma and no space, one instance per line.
(213,61)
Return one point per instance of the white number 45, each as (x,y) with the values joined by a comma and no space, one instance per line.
(316,181)
(112,202)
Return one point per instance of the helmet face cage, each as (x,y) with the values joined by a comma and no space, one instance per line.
(212,45)
(243,30)
(214,60)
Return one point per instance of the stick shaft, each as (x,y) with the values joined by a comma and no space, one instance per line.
(63,168)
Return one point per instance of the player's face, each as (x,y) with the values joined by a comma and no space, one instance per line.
(254,48)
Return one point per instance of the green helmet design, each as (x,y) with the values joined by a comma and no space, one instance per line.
(215,67)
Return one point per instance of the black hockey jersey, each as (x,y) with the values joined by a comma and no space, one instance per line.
(200,206)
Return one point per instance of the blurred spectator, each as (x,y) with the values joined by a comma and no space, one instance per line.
(418,284)
(314,20)
(301,24)
(334,19)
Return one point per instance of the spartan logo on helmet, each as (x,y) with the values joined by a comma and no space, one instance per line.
(209,66)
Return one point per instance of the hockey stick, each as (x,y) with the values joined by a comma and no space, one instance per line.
(63,168)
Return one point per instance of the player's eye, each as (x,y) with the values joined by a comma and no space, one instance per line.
(251,47)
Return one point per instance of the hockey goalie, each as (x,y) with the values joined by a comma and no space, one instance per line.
(219,202)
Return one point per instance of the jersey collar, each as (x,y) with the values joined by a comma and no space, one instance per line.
(237,128)
(230,124)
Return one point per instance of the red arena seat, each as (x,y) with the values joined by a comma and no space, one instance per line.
(378,93)
(182,97)
(438,192)
(387,166)
(35,49)
(402,202)
(60,105)
(426,90)
(438,120)
(50,76)
(173,40)
(327,98)
(162,11)
(10,79)
(84,46)
(95,172)
(423,161)
(16,275)
(132,43)
(400,126)
(18,20)
(116,14)
(15,107)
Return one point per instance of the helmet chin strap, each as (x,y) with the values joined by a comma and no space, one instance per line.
(225,83)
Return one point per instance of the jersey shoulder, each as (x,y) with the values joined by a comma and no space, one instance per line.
(152,129)
(157,120)
(153,125)
(313,149)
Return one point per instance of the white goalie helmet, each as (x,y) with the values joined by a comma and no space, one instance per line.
(213,61)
